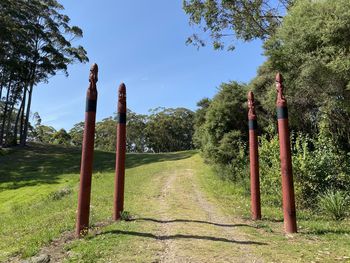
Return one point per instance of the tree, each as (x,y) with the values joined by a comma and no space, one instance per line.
(105,138)
(76,134)
(199,121)
(170,130)
(136,139)
(61,137)
(44,134)
(311,50)
(238,19)
(36,43)
(222,132)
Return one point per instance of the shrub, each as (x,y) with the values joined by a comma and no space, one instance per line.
(270,173)
(334,204)
(318,166)
(59,194)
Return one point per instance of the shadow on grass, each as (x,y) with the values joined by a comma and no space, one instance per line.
(189,221)
(44,164)
(327,231)
(180,236)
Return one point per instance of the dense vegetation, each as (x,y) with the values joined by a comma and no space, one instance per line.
(163,130)
(35,43)
(311,49)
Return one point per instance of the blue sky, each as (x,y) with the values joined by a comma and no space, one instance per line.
(141,43)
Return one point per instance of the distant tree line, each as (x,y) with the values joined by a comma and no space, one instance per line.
(163,130)
(35,43)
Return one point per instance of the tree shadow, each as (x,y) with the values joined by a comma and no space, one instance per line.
(180,236)
(326,231)
(137,159)
(44,164)
(190,221)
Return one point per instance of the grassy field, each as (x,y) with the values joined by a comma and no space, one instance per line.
(180,210)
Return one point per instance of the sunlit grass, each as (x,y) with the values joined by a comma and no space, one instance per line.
(319,239)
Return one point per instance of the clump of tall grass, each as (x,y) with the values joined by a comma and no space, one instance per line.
(334,204)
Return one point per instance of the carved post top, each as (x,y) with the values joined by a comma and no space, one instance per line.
(251,106)
(281,100)
(93,78)
(122,98)
(122,89)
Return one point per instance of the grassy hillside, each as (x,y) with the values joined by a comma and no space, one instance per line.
(180,211)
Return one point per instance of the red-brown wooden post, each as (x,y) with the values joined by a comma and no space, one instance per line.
(82,223)
(289,213)
(254,159)
(120,155)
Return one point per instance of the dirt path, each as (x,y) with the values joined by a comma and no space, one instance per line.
(193,229)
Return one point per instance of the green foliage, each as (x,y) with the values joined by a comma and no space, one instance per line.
(199,120)
(170,130)
(136,139)
(270,172)
(311,50)
(334,204)
(76,134)
(44,134)
(125,216)
(105,134)
(239,19)
(61,193)
(61,137)
(36,43)
(220,129)
(318,166)
(164,130)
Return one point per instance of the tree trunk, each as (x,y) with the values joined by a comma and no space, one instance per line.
(25,128)
(19,113)
(9,122)
(2,130)
(1,92)
(22,114)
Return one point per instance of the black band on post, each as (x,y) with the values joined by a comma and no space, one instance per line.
(121,118)
(90,105)
(282,113)
(253,124)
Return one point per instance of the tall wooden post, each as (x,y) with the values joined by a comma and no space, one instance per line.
(254,159)
(120,155)
(290,222)
(82,222)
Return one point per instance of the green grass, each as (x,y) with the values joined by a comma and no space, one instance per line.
(38,199)
(31,217)
(319,239)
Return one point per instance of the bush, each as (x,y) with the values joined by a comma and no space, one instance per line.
(59,194)
(318,166)
(334,204)
(270,172)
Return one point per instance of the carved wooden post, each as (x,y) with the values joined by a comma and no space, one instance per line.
(120,155)
(82,223)
(290,223)
(254,159)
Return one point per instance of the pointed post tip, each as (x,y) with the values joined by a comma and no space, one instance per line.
(279,77)
(93,73)
(122,88)
(250,95)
